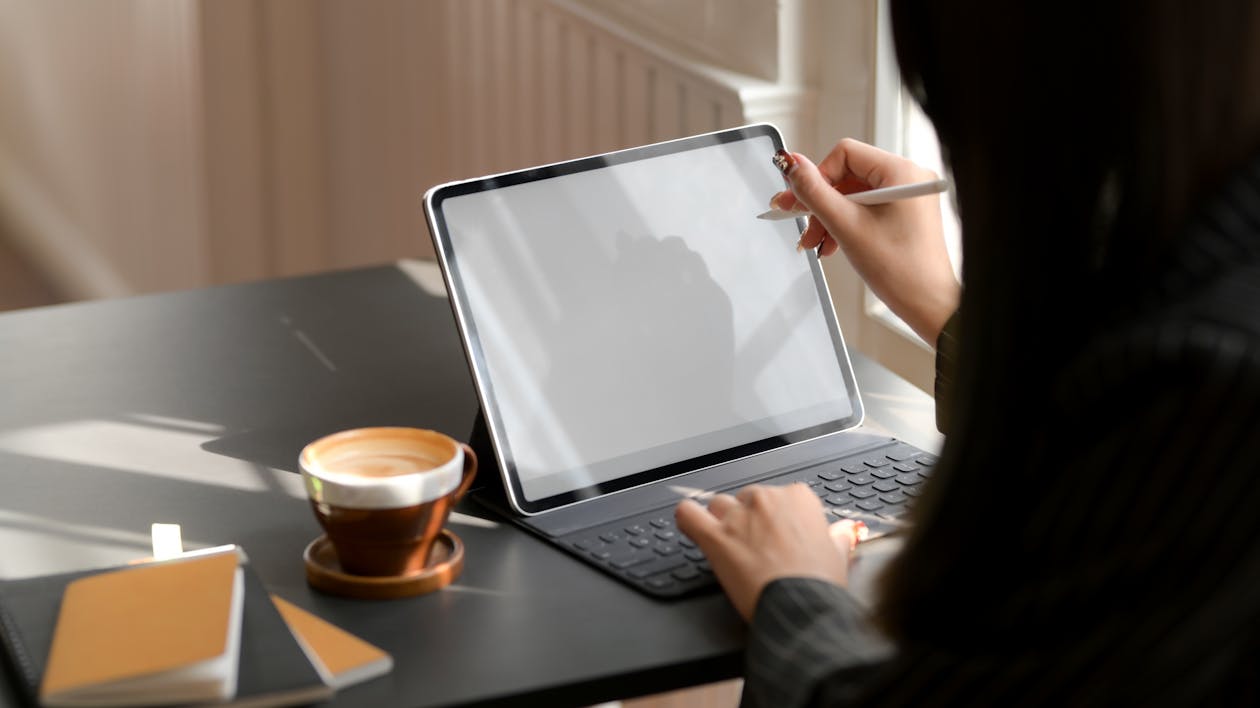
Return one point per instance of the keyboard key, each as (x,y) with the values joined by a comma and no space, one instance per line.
(884,473)
(660,583)
(640,541)
(611,537)
(601,554)
(870,505)
(875,461)
(661,523)
(814,482)
(695,555)
(860,479)
(686,542)
(829,476)
(894,498)
(909,480)
(839,499)
(666,535)
(631,559)
(666,549)
(901,455)
(635,530)
(704,567)
(861,492)
(658,565)
(686,573)
(854,467)
(839,487)
(912,491)
(904,467)
(885,485)
(586,544)
(926,460)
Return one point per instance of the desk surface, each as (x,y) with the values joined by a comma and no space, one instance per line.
(191,408)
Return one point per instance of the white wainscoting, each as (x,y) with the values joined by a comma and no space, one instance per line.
(535,81)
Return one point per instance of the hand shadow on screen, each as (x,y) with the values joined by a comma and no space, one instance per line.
(677,322)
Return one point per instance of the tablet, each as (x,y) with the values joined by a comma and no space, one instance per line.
(628,319)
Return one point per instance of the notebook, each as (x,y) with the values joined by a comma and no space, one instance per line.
(122,666)
(160,632)
(340,657)
(636,335)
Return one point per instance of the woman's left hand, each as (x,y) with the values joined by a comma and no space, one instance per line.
(766,533)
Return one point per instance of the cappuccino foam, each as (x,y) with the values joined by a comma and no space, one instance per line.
(376,459)
(376,468)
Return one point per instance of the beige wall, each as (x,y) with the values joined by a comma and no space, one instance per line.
(97,140)
(150,145)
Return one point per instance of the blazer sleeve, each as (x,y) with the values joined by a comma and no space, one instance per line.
(806,631)
(946,365)
(812,644)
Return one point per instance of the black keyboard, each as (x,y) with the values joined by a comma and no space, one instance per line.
(877,486)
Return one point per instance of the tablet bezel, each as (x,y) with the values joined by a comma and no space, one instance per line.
(449,263)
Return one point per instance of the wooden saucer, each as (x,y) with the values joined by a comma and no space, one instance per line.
(324,573)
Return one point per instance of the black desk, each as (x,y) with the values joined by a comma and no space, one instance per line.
(191,408)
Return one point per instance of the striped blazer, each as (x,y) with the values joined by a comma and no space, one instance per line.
(1132,576)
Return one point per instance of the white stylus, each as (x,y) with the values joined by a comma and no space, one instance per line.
(870,197)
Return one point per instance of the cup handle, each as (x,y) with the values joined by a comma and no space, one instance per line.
(470,471)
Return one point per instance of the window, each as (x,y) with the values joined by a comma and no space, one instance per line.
(900,127)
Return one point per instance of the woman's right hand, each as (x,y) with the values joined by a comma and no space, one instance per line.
(897,248)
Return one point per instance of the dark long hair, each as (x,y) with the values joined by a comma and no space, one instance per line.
(1080,137)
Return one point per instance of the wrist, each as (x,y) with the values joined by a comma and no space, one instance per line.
(928,319)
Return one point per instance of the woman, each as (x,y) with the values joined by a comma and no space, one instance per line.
(1091,532)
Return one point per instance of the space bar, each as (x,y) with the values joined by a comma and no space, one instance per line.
(658,566)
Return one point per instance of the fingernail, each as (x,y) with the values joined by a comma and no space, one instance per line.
(785,161)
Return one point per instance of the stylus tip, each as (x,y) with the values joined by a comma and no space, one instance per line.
(781,215)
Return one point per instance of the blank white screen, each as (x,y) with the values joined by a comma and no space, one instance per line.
(639,314)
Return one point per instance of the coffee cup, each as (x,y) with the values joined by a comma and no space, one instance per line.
(383,495)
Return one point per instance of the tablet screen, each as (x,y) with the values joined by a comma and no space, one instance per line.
(628,318)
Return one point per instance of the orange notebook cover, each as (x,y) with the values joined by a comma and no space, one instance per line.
(344,658)
(169,628)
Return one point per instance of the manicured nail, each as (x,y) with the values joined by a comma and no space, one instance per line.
(785,161)
(858,532)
